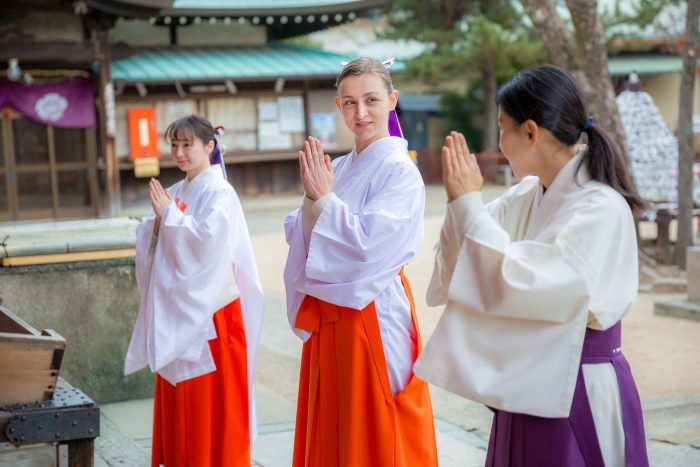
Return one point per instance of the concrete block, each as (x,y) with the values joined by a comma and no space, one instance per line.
(93,305)
(678,309)
(693,268)
(114,447)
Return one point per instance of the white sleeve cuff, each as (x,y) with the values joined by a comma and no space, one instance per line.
(320,203)
(464,210)
(311,210)
(170,210)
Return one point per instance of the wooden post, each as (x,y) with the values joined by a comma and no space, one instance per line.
(107,130)
(686,155)
(81,453)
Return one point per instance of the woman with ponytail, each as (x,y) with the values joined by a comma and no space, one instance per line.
(536,283)
(201,308)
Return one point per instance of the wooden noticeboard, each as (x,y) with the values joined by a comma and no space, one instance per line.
(143,141)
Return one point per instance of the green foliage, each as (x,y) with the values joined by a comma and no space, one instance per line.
(472,41)
(627,31)
(490,45)
(465,37)
(430,21)
(641,14)
(462,111)
(303,41)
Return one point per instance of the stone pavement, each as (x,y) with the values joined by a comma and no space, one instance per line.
(672,421)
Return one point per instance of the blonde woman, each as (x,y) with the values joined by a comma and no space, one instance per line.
(361,221)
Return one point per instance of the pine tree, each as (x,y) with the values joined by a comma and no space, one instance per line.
(474,41)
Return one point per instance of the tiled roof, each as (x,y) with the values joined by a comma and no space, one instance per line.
(165,65)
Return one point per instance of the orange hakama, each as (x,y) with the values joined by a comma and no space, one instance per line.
(204,421)
(346,413)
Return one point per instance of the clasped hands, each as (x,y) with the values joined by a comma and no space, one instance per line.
(315,169)
(460,171)
(160,198)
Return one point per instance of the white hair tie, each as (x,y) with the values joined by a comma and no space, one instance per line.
(388,63)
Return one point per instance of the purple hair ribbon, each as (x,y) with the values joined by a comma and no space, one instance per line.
(394,127)
(217,155)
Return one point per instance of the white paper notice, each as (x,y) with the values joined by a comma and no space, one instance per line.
(267,111)
(290,110)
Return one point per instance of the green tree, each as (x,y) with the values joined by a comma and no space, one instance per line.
(479,42)
(462,111)
(579,43)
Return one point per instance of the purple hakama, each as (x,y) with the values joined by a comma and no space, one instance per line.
(521,440)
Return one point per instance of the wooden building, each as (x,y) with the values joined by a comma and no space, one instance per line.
(220,58)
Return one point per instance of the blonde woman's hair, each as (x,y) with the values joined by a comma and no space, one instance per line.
(364,65)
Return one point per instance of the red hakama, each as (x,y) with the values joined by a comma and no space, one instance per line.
(346,413)
(204,421)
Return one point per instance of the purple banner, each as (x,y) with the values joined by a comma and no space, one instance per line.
(68,104)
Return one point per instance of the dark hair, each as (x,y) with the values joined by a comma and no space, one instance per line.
(185,127)
(551,97)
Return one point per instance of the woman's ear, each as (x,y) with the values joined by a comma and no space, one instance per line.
(532,131)
(337,103)
(393,99)
(210,146)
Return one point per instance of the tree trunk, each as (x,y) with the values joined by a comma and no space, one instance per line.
(560,43)
(594,57)
(556,36)
(685,135)
(490,131)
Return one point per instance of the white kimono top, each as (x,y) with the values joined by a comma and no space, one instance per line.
(367,230)
(522,279)
(201,260)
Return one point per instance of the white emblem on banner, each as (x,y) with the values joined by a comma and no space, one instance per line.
(51,106)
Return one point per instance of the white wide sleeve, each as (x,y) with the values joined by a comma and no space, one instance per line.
(512,332)
(198,251)
(353,256)
(294,267)
(252,298)
(552,278)
(453,230)
(311,210)
(145,244)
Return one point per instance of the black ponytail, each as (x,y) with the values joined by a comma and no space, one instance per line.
(552,98)
(606,164)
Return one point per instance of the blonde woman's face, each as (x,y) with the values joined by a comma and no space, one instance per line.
(365,103)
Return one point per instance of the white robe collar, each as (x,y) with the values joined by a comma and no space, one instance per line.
(374,150)
(547,201)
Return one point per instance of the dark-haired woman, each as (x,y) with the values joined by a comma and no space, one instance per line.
(201,309)
(536,283)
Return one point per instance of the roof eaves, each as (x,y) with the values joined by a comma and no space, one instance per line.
(644,64)
(189,9)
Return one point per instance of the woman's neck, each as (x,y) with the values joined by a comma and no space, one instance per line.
(362,145)
(192,174)
(554,159)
